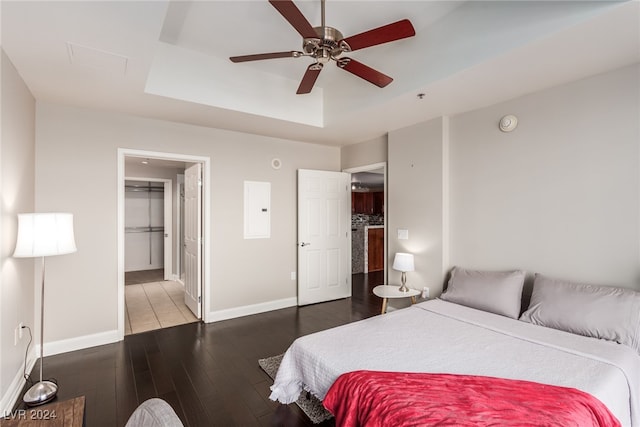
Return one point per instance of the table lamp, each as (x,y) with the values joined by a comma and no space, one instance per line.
(403,262)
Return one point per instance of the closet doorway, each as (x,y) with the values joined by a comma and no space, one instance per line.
(153,243)
(147,220)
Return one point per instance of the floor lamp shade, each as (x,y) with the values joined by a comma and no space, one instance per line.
(44,234)
(41,235)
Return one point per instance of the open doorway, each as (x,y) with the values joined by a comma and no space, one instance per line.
(368,230)
(154,297)
(154,289)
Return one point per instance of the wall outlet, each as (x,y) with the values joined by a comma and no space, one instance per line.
(425,293)
(20,329)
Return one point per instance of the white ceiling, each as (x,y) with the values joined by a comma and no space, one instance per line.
(169,60)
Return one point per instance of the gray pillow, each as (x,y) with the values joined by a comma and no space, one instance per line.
(498,292)
(603,312)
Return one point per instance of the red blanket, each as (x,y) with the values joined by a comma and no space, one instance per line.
(368,398)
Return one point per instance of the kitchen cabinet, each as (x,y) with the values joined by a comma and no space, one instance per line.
(375,249)
(361,203)
(367,202)
(378,202)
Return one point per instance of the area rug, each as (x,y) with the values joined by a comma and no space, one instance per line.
(310,405)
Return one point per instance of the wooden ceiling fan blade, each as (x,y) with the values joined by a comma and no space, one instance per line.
(385,34)
(292,14)
(261,56)
(364,72)
(309,79)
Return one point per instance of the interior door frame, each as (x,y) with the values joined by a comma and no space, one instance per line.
(367,168)
(206,224)
(167,255)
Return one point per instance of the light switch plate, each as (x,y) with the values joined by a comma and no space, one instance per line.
(403,234)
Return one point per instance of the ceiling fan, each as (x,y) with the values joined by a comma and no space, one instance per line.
(326,43)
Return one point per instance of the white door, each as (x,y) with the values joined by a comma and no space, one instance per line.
(324,236)
(168,235)
(192,238)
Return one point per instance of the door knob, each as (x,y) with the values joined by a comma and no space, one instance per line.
(303,244)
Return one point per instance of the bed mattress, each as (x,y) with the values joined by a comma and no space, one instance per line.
(442,337)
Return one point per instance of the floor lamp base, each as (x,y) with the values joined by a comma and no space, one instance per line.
(39,393)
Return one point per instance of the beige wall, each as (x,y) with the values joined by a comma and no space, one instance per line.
(560,194)
(364,153)
(17,188)
(415,194)
(76,150)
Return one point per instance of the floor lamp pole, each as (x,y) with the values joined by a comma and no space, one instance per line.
(42,322)
(42,391)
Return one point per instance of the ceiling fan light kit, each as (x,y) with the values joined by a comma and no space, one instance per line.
(325,44)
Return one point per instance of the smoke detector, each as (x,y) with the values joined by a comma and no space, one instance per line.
(508,123)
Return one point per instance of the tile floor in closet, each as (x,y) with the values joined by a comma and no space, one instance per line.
(155,305)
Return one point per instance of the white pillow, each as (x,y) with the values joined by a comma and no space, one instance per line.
(498,292)
(603,312)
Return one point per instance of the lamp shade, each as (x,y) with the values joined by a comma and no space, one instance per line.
(403,262)
(44,234)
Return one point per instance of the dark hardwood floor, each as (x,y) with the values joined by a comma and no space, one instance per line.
(208,372)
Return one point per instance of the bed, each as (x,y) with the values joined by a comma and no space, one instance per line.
(444,337)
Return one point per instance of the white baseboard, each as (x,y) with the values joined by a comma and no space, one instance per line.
(79,343)
(247,310)
(14,392)
(15,388)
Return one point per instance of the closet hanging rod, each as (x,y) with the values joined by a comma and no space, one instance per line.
(143,189)
(143,229)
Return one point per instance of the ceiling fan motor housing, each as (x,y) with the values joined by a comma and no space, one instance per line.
(326,46)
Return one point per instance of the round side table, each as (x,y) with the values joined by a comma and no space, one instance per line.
(391,291)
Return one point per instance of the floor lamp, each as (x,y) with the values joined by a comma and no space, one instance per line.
(41,235)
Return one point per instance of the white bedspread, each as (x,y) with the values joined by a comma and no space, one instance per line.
(437,336)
